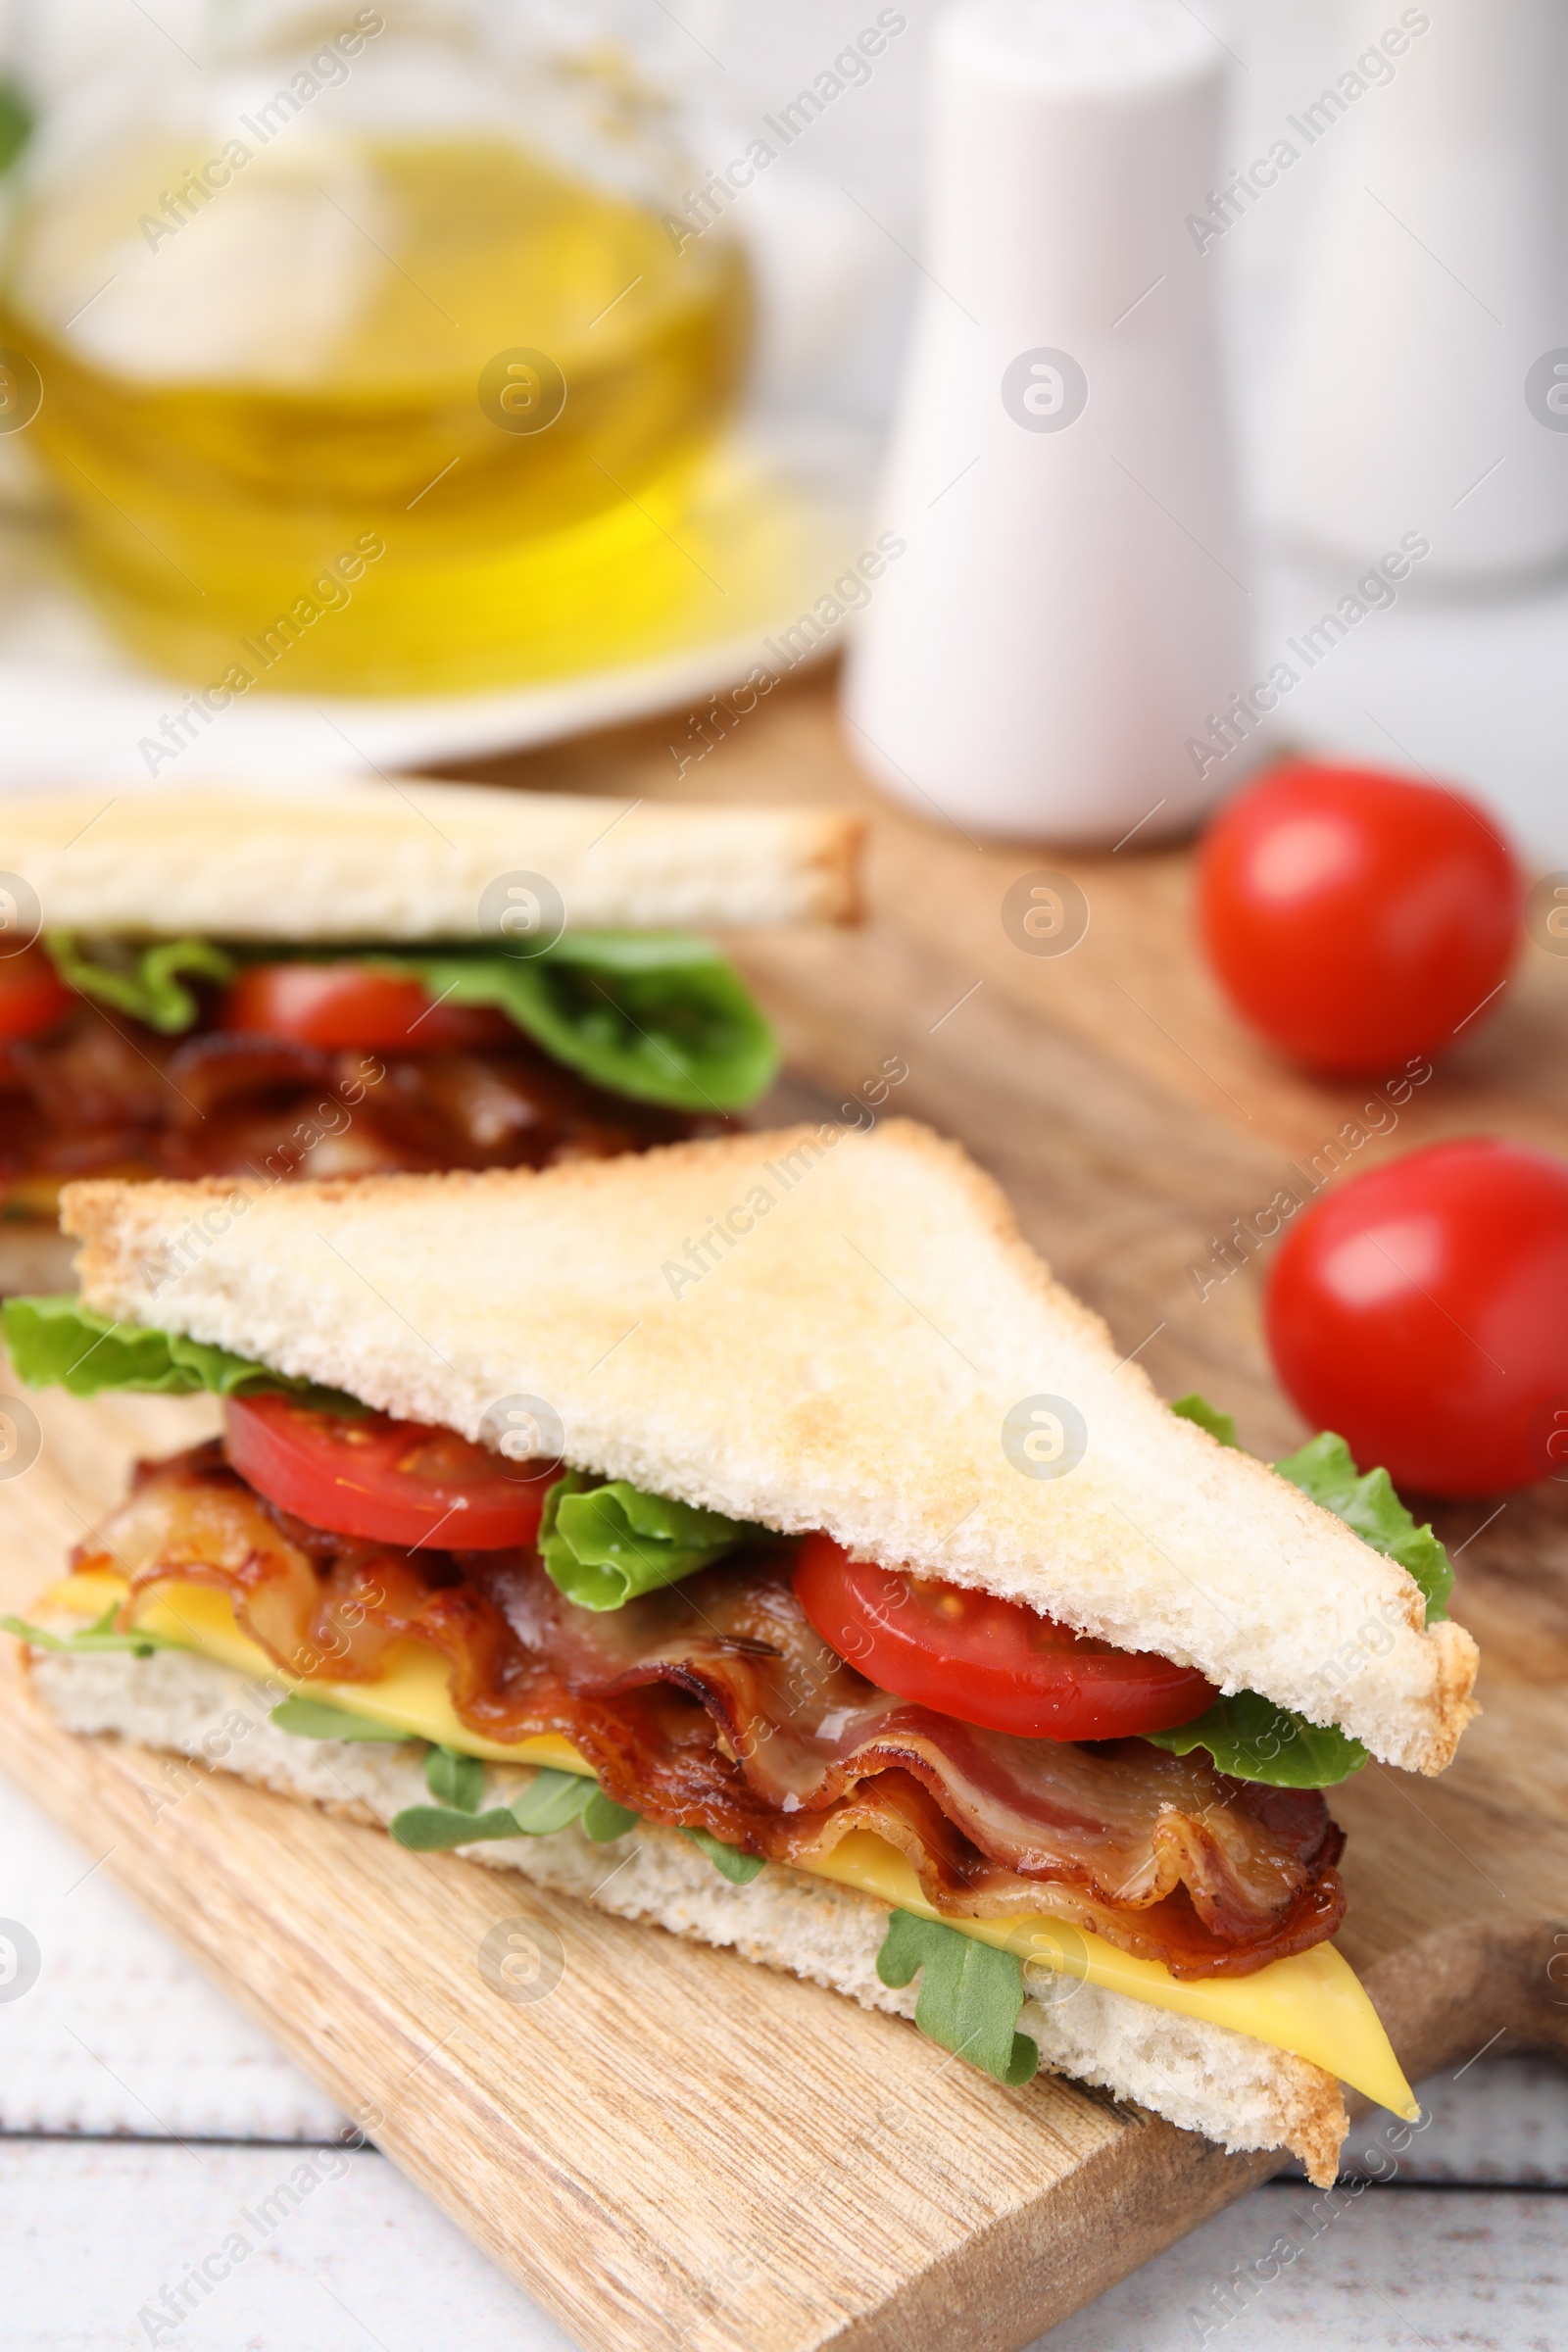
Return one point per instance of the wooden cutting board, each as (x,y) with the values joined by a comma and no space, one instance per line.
(675,2148)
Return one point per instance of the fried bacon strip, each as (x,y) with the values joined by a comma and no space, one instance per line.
(713,1704)
(104,1095)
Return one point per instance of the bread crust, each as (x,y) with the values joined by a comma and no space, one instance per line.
(846,1359)
(1238,2092)
(352,860)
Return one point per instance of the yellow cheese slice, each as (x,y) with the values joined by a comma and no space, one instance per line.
(411,1693)
(1312,2004)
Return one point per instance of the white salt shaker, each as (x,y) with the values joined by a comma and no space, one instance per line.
(1424,385)
(1072,611)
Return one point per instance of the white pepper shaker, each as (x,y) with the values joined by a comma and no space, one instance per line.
(1072,606)
(1424,384)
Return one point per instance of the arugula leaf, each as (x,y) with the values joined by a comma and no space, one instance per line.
(604,1544)
(1251,1737)
(658,1015)
(553,1800)
(1208,1416)
(433,1828)
(144,983)
(728,1860)
(453,1779)
(1323,1468)
(314,1719)
(99,1636)
(56,1342)
(970,1994)
(456,1782)
(604,1821)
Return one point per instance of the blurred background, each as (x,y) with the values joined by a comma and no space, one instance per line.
(715,462)
(417,385)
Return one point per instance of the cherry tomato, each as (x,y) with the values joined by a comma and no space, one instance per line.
(1422,1311)
(386,1481)
(336,1005)
(988,1661)
(32,995)
(1358,919)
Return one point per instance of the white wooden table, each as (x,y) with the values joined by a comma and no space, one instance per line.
(141,2117)
(140,2114)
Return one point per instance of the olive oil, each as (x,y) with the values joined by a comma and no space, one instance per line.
(378,417)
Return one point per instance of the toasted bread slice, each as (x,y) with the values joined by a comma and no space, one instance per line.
(1238,2091)
(343,859)
(821,1328)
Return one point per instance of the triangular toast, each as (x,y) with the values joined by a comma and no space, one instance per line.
(823,1328)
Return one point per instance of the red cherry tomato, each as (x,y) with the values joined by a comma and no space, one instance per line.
(1358,919)
(340,1005)
(1422,1311)
(32,995)
(386,1481)
(988,1661)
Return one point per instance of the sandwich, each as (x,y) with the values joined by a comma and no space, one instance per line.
(349,978)
(753,1539)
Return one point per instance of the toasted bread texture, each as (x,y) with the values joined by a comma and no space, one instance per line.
(356,861)
(1243,2094)
(824,1328)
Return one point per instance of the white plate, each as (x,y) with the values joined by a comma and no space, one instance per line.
(78,708)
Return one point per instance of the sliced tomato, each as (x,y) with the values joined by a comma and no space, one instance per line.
(32,995)
(988,1661)
(347,1004)
(387,1481)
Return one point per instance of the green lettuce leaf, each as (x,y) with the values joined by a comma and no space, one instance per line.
(1208,1416)
(143,982)
(58,1342)
(1247,1735)
(1324,1470)
(658,1016)
(605,1545)
(100,1635)
(314,1719)
(1251,1737)
(970,1994)
(728,1860)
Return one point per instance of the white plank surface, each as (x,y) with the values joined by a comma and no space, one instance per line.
(121,2036)
(93,2234)
(122,2033)
(1482,2270)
